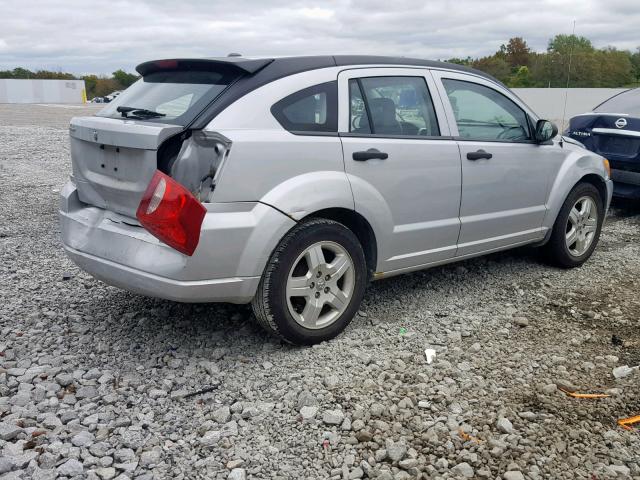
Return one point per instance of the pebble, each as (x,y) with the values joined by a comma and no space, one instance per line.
(521,321)
(82,439)
(9,431)
(309,412)
(222,414)
(396,451)
(70,468)
(237,474)
(504,425)
(333,417)
(463,469)
(513,475)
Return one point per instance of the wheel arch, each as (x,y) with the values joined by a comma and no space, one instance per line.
(359,225)
(598,182)
(555,204)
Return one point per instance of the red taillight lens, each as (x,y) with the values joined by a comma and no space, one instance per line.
(171,213)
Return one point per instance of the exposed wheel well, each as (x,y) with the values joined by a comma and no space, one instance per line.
(359,226)
(597,182)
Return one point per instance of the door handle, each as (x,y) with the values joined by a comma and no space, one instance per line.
(369,155)
(478,155)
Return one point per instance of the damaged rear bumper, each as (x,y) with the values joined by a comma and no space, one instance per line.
(235,243)
(232,290)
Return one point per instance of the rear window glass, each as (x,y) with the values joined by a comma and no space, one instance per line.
(627,102)
(314,109)
(176,96)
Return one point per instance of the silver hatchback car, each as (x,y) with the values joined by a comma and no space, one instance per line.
(292,182)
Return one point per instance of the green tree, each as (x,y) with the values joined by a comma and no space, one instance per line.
(565,44)
(49,75)
(460,61)
(90,82)
(635,62)
(105,86)
(616,68)
(570,58)
(123,78)
(522,78)
(20,72)
(495,66)
(517,52)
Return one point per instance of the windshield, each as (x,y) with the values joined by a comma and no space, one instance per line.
(626,102)
(177,95)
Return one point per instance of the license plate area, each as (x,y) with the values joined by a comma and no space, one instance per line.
(107,161)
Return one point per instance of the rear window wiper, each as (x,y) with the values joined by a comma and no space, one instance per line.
(138,112)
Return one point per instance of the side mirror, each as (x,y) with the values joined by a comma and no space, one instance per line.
(545,131)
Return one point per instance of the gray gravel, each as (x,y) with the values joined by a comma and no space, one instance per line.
(98,383)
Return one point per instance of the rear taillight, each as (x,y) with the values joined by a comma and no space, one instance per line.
(171,213)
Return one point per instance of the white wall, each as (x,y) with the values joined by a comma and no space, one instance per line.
(548,103)
(41,91)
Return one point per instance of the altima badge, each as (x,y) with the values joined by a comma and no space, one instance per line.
(621,123)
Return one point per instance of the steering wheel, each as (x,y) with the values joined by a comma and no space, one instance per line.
(355,122)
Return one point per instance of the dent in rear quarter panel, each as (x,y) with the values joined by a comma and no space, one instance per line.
(260,161)
(292,175)
(578,163)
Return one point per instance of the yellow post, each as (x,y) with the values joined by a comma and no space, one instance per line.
(84,95)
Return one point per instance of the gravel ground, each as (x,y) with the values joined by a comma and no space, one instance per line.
(98,383)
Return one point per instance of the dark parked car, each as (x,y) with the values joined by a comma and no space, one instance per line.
(612,129)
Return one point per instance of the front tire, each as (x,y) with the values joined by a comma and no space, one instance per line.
(577,229)
(313,283)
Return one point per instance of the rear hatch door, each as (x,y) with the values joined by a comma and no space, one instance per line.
(114,160)
(115,152)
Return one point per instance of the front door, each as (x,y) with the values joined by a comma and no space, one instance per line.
(505,173)
(402,163)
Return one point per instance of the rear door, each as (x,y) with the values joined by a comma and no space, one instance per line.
(505,172)
(397,149)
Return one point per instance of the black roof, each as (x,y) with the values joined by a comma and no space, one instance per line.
(259,72)
(291,65)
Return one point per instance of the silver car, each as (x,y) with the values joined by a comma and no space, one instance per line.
(291,183)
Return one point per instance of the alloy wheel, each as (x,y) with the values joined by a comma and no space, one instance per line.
(320,285)
(581,226)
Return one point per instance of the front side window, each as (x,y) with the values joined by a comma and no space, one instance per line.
(313,109)
(484,114)
(392,106)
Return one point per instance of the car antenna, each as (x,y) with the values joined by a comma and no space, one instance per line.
(566,91)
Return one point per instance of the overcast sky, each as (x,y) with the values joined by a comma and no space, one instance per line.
(83,37)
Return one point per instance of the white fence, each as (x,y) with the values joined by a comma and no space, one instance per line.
(548,103)
(42,91)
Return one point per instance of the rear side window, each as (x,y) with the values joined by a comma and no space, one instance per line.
(314,109)
(174,96)
(392,106)
(484,114)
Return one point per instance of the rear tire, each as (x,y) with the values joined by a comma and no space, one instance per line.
(313,283)
(577,228)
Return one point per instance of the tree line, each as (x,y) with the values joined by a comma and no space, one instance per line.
(96,85)
(516,65)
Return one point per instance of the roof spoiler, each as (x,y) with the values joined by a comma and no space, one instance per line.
(245,65)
